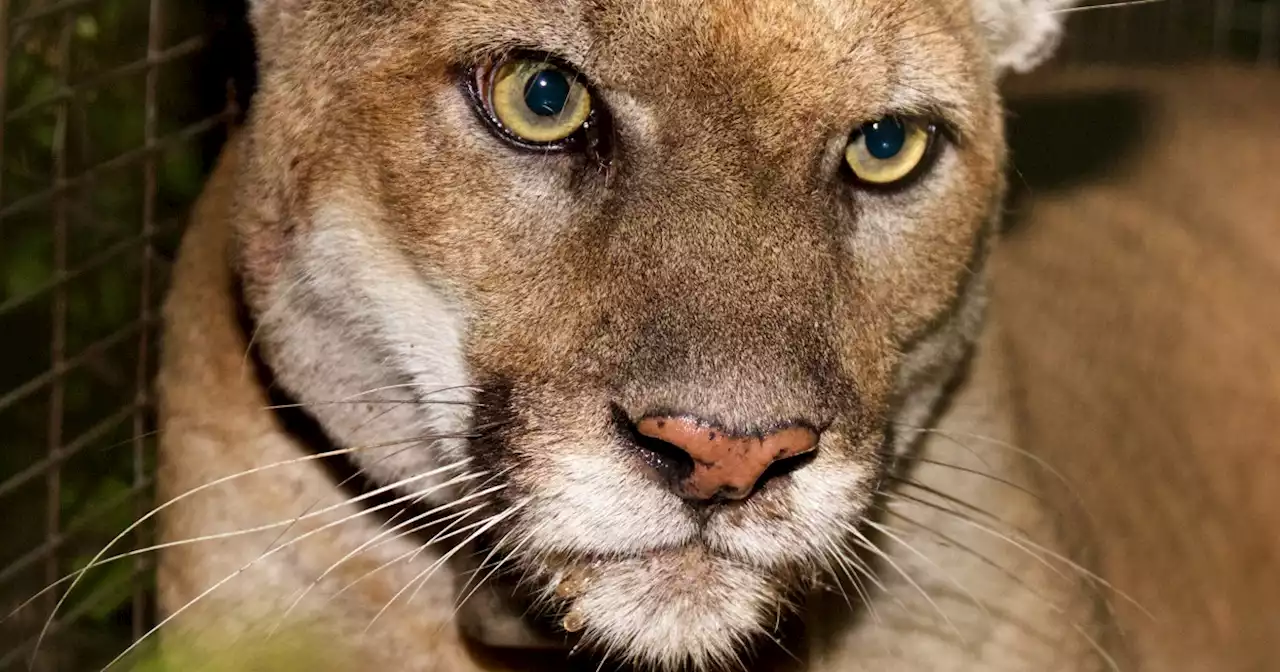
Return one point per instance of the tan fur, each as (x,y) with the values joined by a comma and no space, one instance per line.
(389,245)
(1138,297)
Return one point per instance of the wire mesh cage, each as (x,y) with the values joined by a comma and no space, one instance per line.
(112,112)
(105,140)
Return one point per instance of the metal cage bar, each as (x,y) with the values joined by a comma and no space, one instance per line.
(93,206)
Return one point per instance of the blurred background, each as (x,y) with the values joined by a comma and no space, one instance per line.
(113,111)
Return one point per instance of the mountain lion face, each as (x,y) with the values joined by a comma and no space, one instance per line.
(662,288)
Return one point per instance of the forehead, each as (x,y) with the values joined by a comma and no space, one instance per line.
(877,56)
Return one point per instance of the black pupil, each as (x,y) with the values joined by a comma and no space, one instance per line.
(885,137)
(546,93)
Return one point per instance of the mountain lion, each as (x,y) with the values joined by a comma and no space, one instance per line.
(539,335)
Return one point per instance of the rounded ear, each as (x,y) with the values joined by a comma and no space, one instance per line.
(1021,34)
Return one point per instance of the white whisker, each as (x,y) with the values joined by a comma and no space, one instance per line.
(266,554)
(415,386)
(455,517)
(886,531)
(234,533)
(1026,545)
(375,540)
(992,441)
(425,575)
(862,541)
(155,511)
(257,327)
(980,557)
(1107,5)
(506,556)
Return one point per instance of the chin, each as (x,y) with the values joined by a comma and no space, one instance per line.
(641,573)
(684,608)
(693,592)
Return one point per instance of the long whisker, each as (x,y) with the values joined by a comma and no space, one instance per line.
(494,550)
(1040,462)
(476,431)
(1098,648)
(992,441)
(381,537)
(263,318)
(371,402)
(391,520)
(1074,494)
(425,575)
(861,540)
(904,497)
(949,498)
(1107,5)
(211,484)
(865,570)
(459,547)
(832,553)
(857,569)
(235,533)
(373,541)
(249,564)
(456,518)
(415,386)
(951,541)
(978,472)
(1027,546)
(497,566)
(856,575)
(1040,597)
(886,531)
(446,532)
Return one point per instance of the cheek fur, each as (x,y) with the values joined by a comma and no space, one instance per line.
(915,251)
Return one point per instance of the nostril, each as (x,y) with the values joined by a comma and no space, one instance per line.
(668,461)
(671,463)
(701,461)
(785,466)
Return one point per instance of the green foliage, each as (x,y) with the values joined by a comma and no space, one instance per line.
(293,650)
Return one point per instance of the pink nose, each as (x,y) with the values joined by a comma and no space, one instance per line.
(725,465)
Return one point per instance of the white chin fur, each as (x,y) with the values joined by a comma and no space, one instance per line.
(594,503)
(675,610)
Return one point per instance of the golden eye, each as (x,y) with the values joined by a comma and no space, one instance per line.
(534,101)
(888,149)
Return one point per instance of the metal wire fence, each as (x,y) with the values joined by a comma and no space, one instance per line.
(104,144)
(112,111)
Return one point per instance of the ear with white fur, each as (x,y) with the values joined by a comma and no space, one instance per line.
(1021,34)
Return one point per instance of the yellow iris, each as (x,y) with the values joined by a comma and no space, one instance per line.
(887,150)
(538,102)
